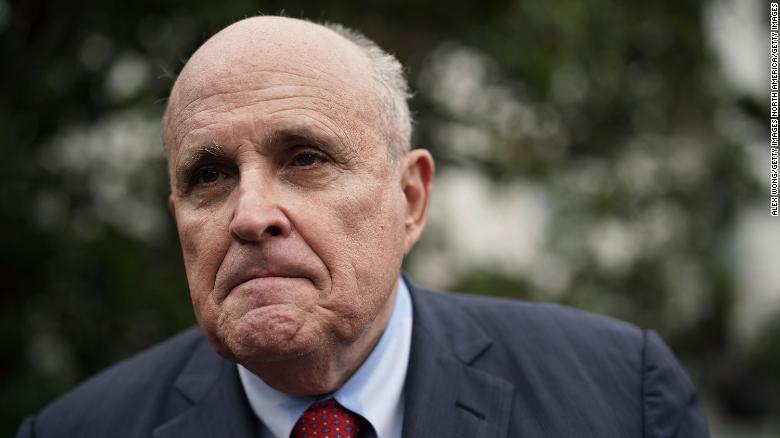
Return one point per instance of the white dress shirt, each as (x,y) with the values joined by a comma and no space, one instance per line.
(374,392)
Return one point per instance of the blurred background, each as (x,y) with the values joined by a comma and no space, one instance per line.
(606,154)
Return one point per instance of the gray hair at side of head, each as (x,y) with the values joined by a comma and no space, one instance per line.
(393,90)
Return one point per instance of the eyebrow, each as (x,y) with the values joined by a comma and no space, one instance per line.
(196,155)
(327,141)
(302,134)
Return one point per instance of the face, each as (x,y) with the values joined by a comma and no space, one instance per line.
(292,220)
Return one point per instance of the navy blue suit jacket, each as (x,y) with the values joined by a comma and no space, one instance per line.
(479,367)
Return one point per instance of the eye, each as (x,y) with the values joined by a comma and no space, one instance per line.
(206,175)
(307,159)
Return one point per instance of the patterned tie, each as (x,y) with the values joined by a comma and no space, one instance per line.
(327,419)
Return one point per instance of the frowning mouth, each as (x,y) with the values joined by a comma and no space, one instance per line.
(262,274)
(267,279)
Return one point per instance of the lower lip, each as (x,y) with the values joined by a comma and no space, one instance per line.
(266,283)
(265,291)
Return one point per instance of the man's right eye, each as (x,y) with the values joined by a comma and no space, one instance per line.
(207,175)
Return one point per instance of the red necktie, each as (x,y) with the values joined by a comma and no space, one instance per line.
(327,419)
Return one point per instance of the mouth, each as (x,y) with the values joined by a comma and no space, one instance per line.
(264,279)
(263,275)
(269,290)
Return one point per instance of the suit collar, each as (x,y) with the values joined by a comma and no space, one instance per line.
(215,403)
(447,395)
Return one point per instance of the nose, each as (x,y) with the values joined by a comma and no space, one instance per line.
(257,215)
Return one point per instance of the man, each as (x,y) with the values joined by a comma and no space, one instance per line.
(296,197)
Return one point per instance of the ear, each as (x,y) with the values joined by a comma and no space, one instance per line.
(418,169)
(171,206)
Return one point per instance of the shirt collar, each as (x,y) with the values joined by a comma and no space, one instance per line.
(375,390)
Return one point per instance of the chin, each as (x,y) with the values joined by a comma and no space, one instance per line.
(269,334)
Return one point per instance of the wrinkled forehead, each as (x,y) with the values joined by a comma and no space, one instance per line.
(263,52)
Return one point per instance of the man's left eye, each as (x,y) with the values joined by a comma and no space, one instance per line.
(307,159)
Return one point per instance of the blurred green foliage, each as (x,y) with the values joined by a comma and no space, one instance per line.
(568,94)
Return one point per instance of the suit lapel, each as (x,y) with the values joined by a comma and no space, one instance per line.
(216,403)
(446,396)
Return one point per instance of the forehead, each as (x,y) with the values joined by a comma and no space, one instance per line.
(277,67)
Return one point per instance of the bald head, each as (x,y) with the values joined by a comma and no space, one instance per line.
(262,52)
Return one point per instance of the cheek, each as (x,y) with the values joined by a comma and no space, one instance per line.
(204,241)
(361,243)
(376,221)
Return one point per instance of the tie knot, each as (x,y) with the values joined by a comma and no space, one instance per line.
(327,419)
